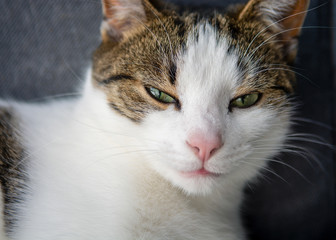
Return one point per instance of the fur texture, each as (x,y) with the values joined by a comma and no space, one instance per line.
(118,163)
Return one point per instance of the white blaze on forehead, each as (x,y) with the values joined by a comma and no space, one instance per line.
(208,74)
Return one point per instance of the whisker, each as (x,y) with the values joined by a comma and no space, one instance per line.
(164,27)
(147,66)
(297,150)
(287,165)
(284,31)
(272,65)
(115,133)
(266,169)
(284,69)
(118,147)
(109,157)
(34,153)
(56,96)
(303,138)
(153,34)
(317,123)
(72,71)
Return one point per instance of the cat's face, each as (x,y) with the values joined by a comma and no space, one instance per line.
(209,95)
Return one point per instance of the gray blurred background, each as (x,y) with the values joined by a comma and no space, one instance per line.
(46,45)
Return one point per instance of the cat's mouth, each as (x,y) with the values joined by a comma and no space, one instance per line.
(200,173)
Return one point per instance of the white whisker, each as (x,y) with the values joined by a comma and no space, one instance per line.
(265,169)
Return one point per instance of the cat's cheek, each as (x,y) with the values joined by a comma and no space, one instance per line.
(251,124)
(164,132)
(265,134)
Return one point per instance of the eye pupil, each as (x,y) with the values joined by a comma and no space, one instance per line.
(245,101)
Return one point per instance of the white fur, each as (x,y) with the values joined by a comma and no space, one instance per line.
(97,175)
(2,224)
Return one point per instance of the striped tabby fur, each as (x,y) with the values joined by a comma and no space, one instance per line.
(120,162)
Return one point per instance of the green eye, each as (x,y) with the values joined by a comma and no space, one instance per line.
(245,101)
(161,96)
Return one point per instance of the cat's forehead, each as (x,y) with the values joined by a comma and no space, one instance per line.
(153,50)
(208,66)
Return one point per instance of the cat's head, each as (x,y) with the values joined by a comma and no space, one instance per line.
(210,94)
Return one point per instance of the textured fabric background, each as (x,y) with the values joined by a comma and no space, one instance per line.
(45,47)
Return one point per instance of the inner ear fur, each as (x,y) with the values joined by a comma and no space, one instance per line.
(123,16)
(284,17)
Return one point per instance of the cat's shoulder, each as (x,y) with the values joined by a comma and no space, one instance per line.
(11,157)
(9,140)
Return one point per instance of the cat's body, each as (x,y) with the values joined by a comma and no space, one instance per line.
(175,117)
(93,184)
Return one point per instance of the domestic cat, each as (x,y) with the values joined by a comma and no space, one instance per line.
(177,113)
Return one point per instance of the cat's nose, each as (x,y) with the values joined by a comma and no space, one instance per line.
(204,146)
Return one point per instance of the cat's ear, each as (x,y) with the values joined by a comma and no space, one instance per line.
(283,17)
(123,16)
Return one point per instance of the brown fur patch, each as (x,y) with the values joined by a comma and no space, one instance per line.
(11,174)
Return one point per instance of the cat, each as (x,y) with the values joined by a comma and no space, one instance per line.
(177,113)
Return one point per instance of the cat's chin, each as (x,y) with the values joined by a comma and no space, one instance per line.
(200,182)
(201,173)
(196,183)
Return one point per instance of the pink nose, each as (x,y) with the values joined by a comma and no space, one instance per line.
(204,146)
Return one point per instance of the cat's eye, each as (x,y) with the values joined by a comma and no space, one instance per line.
(160,96)
(245,101)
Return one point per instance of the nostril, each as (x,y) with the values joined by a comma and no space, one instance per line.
(212,152)
(204,146)
(195,149)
